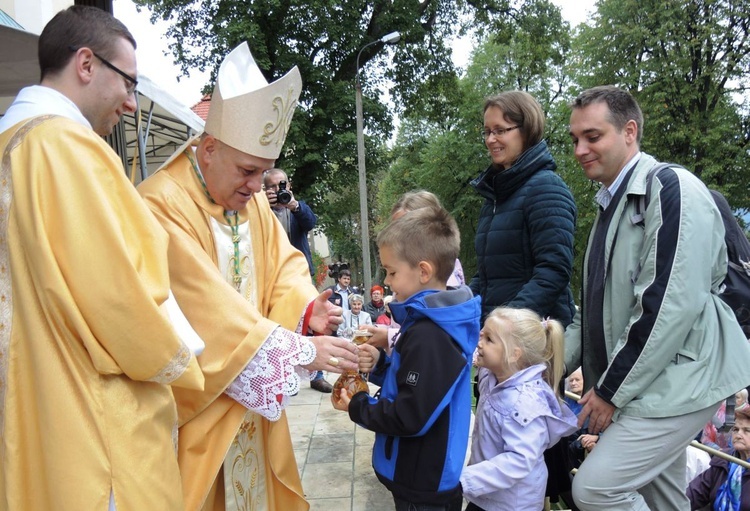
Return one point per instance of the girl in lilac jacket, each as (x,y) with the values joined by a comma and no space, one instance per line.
(518,415)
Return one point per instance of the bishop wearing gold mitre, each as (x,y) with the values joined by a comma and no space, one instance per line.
(247,293)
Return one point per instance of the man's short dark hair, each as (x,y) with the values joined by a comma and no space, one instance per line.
(77,27)
(622,105)
(346,273)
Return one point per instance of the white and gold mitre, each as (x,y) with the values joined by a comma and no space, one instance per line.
(246,111)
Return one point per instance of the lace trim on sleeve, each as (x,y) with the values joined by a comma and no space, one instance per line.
(264,386)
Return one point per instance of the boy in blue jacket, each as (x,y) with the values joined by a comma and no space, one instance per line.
(422,411)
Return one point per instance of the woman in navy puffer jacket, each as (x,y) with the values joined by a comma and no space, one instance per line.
(524,240)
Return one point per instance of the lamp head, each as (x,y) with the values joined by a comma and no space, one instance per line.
(391,38)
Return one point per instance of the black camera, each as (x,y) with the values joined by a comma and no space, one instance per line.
(283,196)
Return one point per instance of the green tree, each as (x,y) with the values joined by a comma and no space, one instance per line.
(688,64)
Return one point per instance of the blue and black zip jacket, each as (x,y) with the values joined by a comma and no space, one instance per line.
(421,414)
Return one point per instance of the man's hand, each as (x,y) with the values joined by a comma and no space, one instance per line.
(333,354)
(597,410)
(326,317)
(271,195)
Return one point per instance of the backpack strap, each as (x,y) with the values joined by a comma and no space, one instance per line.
(642,202)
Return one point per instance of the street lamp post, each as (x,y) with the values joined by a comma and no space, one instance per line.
(391,38)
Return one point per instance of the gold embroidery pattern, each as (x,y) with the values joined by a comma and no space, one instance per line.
(6,285)
(245,469)
(275,132)
(174,368)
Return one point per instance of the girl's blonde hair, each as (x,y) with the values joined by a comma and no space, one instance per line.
(416,199)
(540,340)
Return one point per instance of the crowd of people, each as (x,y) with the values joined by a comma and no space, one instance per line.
(152,338)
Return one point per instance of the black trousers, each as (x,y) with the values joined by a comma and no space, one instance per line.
(404,505)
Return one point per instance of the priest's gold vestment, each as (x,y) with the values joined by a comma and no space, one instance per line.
(86,351)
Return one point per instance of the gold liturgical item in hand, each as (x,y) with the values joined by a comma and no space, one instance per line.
(352,381)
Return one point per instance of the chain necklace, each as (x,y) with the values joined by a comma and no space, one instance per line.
(232,218)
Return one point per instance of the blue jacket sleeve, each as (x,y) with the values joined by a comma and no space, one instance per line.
(306,219)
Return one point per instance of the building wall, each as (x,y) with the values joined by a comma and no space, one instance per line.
(32,15)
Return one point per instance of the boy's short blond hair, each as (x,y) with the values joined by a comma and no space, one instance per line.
(426,234)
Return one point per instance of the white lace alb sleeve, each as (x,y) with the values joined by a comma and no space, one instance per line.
(274,373)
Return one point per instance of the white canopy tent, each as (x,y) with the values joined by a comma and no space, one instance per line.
(160,125)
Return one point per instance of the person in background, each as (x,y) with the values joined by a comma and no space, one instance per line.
(575,386)
(519,414)
(247,292)
(375,307)
(354,318)
(386,319)
(421,414)
(659,348)
(725,486)
(295,215)
(740,399)
(581,442)
(341,290)
(298,220)
(87,350)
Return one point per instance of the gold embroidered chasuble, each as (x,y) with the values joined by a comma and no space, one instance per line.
(85,348)
(276,288)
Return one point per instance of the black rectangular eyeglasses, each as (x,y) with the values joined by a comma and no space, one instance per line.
(132,82)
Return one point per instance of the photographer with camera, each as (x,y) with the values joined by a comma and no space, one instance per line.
(297,219)
(296,216)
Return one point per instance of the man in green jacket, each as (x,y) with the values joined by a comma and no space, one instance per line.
(659,348)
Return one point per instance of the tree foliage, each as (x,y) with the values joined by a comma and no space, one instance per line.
(688,64)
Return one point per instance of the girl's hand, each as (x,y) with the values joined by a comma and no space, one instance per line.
(368,357)
(341,402)
(588,441)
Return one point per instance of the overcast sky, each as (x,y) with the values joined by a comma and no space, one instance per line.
(152,44)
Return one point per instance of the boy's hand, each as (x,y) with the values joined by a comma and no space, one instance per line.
(368,357)
(379,337)
(341,402)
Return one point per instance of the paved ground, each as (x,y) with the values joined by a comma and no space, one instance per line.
(334,456)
